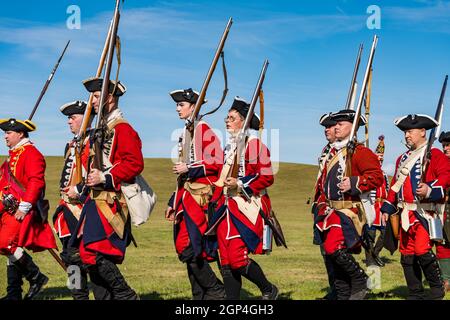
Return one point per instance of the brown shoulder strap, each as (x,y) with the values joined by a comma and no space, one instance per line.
(12,177)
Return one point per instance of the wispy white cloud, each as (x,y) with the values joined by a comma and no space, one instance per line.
(157,28)
(166,47)
(430,16)
(157,42)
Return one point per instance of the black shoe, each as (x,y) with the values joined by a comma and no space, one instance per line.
(272,295)
(14,287)
(329,296)
(36,286)
(360,295)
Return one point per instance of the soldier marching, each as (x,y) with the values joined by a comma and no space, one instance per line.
(23,217)
(417,200)
(220,211)
(443,248)
(189,203)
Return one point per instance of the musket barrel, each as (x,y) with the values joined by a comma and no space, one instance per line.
(434,133)
(439,111)
(363,88)
(88,112)
(348,104)
(186,138)
(210,73)
(47,83)
(112,43)
(255,96)
(87,116)
(230,168)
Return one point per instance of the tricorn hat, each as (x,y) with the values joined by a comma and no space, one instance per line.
(348,115)
(17,125)
(415,121)
(74,107)
(95,84)
(326,120)
(185,95)
(444,137)
(242,107)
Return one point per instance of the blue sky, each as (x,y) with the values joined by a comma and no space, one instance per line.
(167,45)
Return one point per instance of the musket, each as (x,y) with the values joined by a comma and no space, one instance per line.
(352,90)
(87,117)
(44,90)
(352,138)
(351,145)
(98,155)
(349,105)
(229,168)
(434,133)
(47,83)
(185,139)
(55,255)
(367,105)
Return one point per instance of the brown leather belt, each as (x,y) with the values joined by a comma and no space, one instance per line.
(342,204)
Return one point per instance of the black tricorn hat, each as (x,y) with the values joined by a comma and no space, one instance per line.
(347,115)
(415,121)
(444,137)
(326,120)
(17,125)
(74,107)
(241,106)
(185,95)
(95,84)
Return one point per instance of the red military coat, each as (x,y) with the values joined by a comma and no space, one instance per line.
(324,157)
(366,175)
(27,165)
(206,157)
(380,195)
(68,212)
(255,176)
(123,161)
(437,177)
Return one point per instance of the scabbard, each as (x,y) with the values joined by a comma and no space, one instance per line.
(276,234)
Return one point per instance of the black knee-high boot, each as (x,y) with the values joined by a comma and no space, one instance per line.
(358,278)
(341,281)
(14,280)
(253,272)
(32,273)
(82,291)
(116,282)
(332,295)
(204,279)
(380,242)
(100,287)
(232,282)
(196,289)
(79,288)
(432,272)
(413,277)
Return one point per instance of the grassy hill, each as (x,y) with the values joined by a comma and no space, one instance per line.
(154,271)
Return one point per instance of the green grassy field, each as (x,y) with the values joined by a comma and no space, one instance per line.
(154,271)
